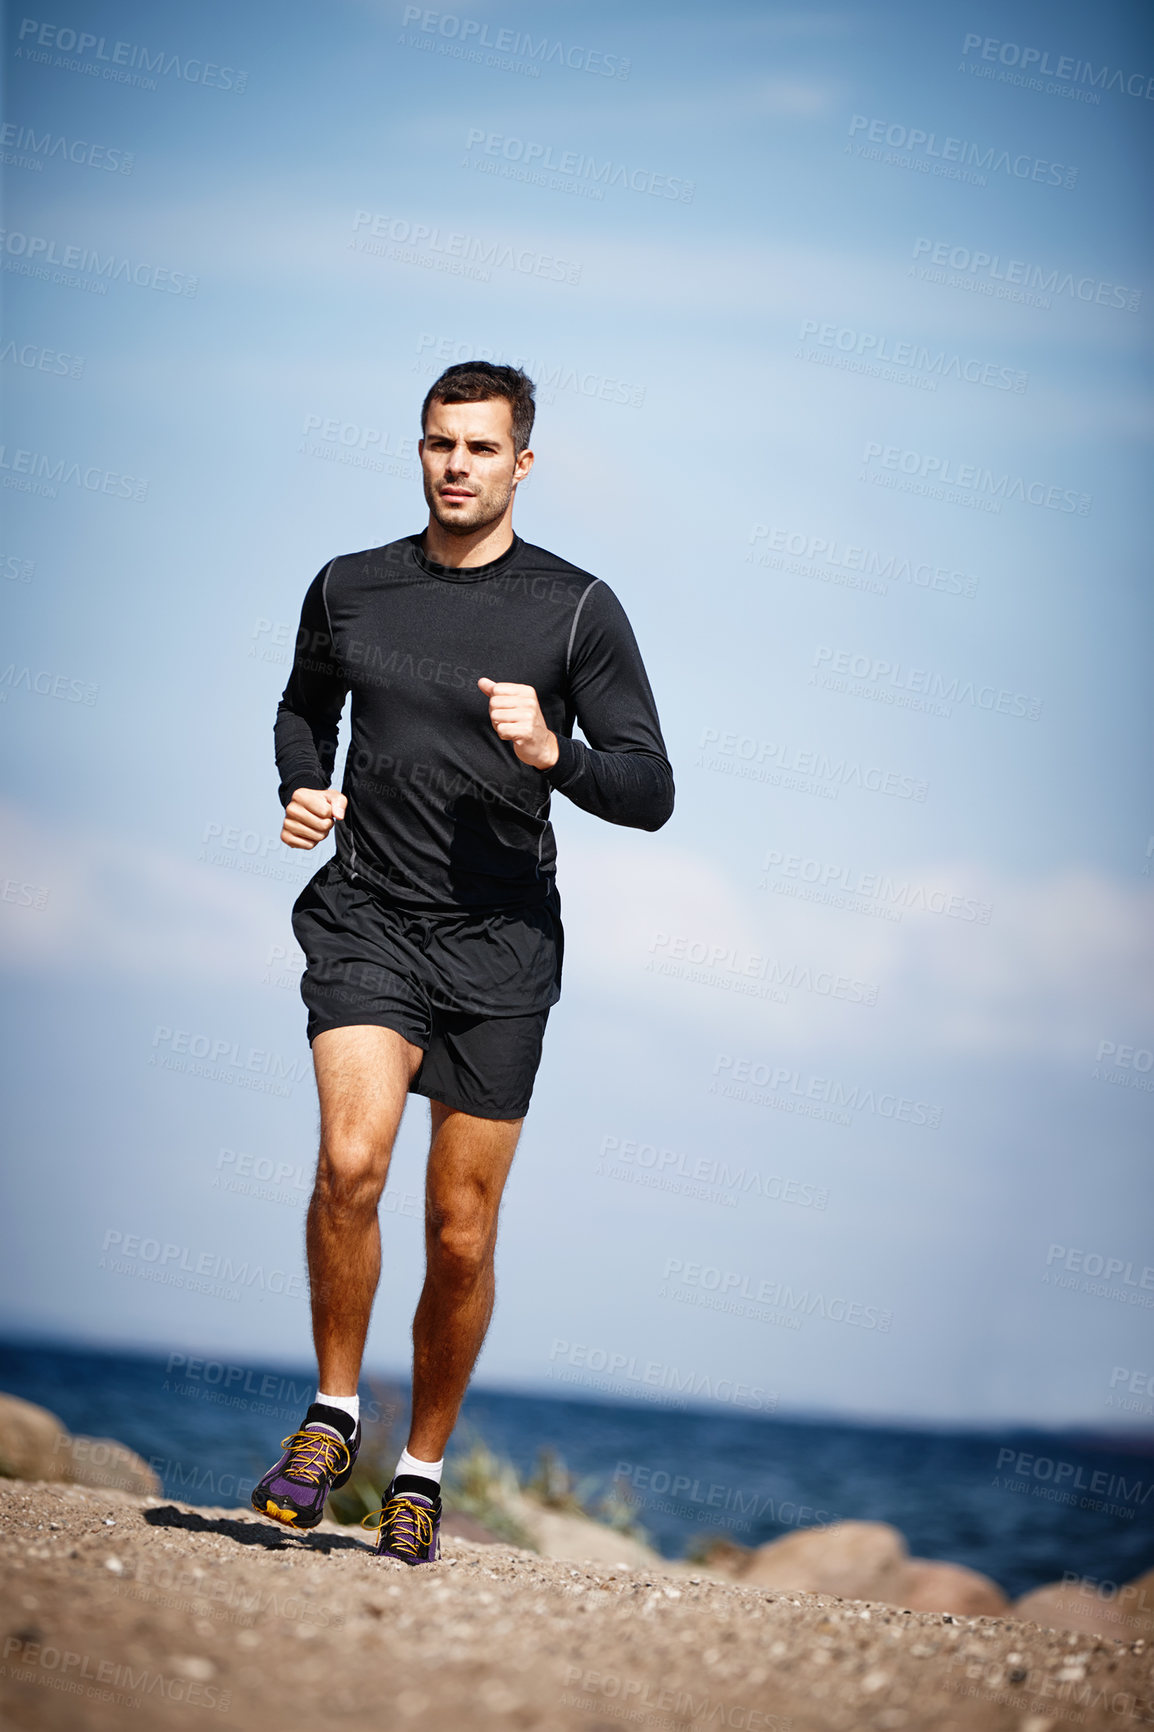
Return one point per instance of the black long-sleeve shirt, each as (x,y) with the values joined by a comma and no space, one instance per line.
(441,811)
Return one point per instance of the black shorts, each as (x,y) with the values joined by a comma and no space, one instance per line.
(472,989)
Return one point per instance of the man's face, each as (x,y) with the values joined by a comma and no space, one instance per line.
(468,463)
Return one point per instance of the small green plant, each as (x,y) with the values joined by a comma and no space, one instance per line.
(479,1483)
(552,1484)
(615,1511)
(483,1486)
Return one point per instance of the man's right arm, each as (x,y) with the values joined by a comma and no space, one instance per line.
(307,722)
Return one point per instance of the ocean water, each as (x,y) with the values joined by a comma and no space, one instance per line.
(1024,1507)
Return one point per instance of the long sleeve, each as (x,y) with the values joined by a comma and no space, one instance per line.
(309,713)
(623,775)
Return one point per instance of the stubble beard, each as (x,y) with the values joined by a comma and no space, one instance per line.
(485,508)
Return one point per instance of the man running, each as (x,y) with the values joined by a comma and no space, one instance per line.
(433,937)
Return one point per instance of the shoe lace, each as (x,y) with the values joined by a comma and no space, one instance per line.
(408,1525)
(314,1453)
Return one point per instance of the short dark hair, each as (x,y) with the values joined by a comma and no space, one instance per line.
(476,382)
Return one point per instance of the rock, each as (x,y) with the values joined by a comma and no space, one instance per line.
(99,1461)
(868,1561)
(1125,1613)
(466,1527)
(929,1586)
(855,1560)
(35,1445)
(576,1538)
(722,1556)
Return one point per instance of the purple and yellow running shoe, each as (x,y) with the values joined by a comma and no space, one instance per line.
(409,1525)
(318,1459)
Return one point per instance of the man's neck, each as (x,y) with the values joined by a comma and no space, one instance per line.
(458,552)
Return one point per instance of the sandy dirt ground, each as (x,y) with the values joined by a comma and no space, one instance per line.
(118,1611)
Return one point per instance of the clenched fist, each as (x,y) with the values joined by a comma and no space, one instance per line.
(516,717)
(310,815)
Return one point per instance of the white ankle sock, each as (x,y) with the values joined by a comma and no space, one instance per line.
(423,1469)
(350,1404)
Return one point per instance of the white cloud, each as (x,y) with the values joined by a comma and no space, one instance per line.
(1064,962)
(135,909)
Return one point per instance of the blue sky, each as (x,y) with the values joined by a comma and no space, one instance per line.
(786,370)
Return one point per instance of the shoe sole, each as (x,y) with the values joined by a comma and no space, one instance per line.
(286,1518)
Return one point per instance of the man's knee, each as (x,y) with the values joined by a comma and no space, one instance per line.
(461,1245)
(351,1173)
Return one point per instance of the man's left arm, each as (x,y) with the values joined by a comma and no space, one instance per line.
(623,775)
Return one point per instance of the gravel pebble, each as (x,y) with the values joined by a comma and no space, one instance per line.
(217,1617)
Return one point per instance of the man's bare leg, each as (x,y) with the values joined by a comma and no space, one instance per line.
(363,1075)
(469,1161)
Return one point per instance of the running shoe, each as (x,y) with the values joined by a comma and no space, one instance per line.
(317,1459)
(408,1526)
